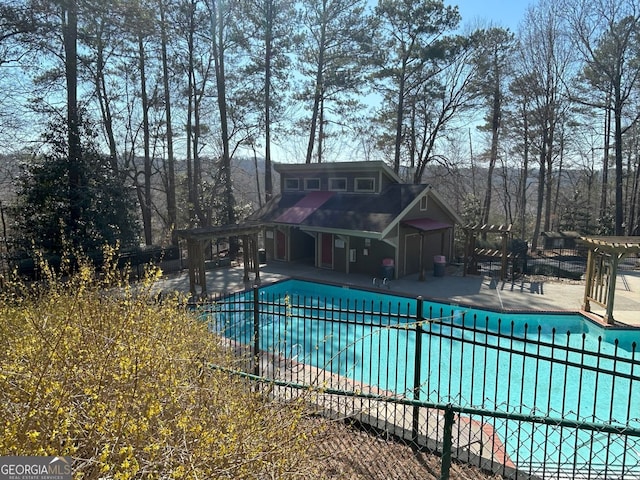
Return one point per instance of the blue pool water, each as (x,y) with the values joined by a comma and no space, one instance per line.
(556,365)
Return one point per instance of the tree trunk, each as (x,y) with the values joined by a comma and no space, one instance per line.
(192,187)
(541,180)
(218,25)
(548,183)
(493,157)
(319,93)
(555,214)
(268,182)
(70,37)
(146,197)
(399,118)
(105,108)
(524,178)
(551,119)
(203,219)
(619,215)
(413,145)
(172,214)
(634,224)
(321,130)
(255,166)
(605,159)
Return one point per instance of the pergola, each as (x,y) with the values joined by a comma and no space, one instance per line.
(197,238)
(472,253)
(604,256)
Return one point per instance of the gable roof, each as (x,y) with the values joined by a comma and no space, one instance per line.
(373,214)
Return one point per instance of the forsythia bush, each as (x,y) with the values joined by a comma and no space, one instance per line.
(100,371)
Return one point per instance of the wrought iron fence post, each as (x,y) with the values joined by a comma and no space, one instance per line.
(447,443)
(417,361)
(256,332)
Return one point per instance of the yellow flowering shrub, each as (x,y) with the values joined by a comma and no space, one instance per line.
(96,369)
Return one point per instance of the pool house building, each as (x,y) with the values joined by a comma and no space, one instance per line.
(356,217)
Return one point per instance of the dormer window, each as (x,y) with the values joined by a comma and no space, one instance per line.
(338,184)
(292,184)
(365,184)
(423,203)
(312,184)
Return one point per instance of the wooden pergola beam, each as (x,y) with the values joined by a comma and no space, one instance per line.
(473,230)
(609,250)
(196,238)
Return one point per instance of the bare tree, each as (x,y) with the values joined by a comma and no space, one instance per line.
(494,60)
(437,103)
(170,183)
(543,62)
(273,26)
(336,43)
(102,34)
(221,15)
(69,27)
(520,132)
(606,34)
(413,52)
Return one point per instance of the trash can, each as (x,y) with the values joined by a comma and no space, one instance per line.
(262,256)
(387,268)
(439,265)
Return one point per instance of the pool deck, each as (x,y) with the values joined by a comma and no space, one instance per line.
(484,291)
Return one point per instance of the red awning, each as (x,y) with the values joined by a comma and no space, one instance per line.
(305,207)
(427,224)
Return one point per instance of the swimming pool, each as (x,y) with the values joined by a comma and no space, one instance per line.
(555,365)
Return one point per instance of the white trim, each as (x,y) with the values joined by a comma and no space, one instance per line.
(364,190)
(304,168)
(396,221)
(287,188)
(341,231)
(333,189)
(307,180)
(434,196)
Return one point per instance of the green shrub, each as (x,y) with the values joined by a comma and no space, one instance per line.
(100,371)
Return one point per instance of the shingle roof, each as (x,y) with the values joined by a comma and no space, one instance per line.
(344,211)
(304,207)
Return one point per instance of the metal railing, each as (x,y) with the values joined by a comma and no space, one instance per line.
(567,263)
(517,400)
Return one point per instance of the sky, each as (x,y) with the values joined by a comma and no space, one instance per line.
(501,13)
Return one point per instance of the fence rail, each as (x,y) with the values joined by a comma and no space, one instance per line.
(570,263)
(517,400)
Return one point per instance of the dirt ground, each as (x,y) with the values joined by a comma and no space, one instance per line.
(346,452)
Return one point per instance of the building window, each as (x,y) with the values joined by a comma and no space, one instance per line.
(312,184)
(292,184)
(423,203)
(367,184)
(338,184)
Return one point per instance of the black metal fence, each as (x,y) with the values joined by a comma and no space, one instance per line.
(518,399)
(567,263)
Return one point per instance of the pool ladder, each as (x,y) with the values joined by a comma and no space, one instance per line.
(377,282)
